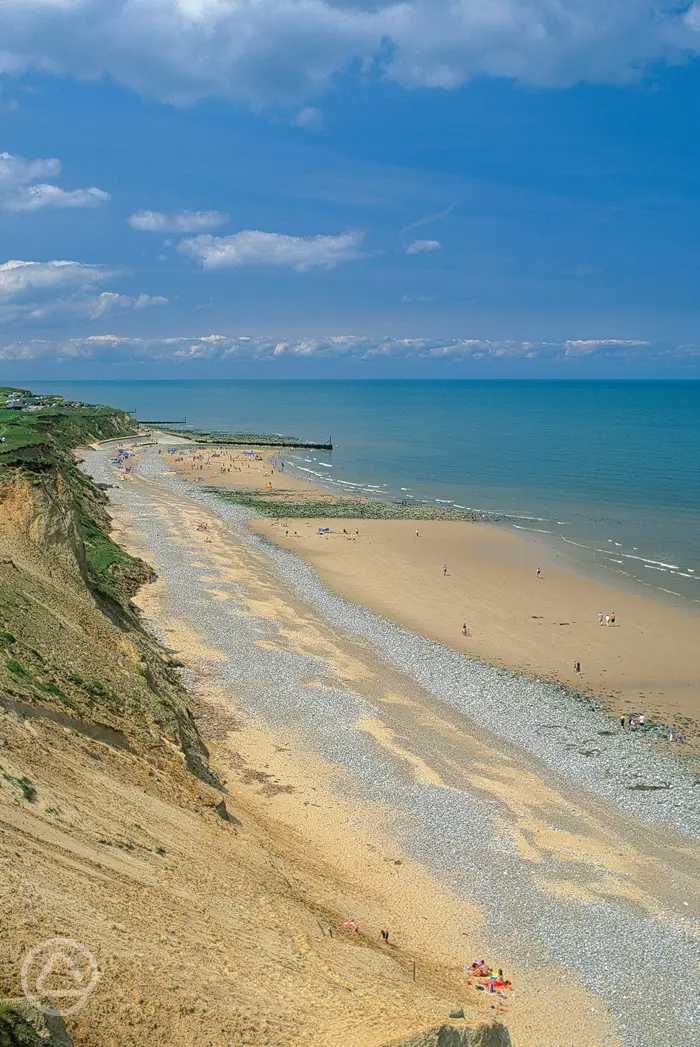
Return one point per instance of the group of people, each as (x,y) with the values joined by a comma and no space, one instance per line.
(606,617)
(638,722)
(494,978)
(634,722)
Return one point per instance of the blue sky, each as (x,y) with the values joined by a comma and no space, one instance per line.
(336,189)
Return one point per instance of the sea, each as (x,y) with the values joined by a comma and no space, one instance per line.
(607,472)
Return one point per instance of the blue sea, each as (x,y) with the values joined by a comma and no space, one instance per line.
(607,471)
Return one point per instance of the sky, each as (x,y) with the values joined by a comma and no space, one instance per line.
(333,188)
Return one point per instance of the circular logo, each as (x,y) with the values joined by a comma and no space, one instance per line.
(58,975)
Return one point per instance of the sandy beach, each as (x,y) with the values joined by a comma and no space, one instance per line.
(420,815)
(647,662)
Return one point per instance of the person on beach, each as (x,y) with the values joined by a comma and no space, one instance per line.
(417,534)
(622,722)
(601,617)
(385,935)
(444,570)
(642,720)
(539,572)
(466,631)
(577,667)
(612,618)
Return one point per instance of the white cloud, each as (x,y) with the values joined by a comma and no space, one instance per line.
(21,190)
(230,349)
(254,248)
(287,51)
(423,246)
(35,291)
(18,278)
(310,118)
(110,300)
(592,346)
(177,221)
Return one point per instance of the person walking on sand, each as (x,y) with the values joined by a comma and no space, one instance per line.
(601,617)
(417,534)
(465,630)
(577,667)
(539,572)
(444,570)
(385,935)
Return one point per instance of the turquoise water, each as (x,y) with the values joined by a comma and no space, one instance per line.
(611,466)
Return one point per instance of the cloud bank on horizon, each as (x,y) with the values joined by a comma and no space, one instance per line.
(248,348)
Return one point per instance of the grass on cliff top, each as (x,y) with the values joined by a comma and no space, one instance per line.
(32,439)
(340,508)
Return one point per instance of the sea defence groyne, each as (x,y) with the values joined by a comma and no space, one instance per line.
(237,439)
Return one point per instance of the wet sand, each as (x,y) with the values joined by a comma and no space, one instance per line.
(648,662)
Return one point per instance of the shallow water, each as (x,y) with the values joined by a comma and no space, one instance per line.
(607,470)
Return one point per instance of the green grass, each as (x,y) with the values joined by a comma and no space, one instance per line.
(33,439)
(341,509)
(17,670)
(25,786)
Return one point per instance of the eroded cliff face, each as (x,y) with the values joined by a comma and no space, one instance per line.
(204,927)
(39,523)
(71,643)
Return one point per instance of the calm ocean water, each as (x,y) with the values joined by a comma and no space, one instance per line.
(611,466)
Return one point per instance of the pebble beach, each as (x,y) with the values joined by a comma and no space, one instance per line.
(575,841)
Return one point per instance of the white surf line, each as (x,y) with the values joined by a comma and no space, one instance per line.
(646,560)
(570,541)
(537,530)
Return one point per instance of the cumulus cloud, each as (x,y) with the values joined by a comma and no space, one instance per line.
(35,291)
(593,346)
(19,278)
(107,301)
(287,51)
(22,191)
(423,246)
(254,248)
(354,348)
(177,221)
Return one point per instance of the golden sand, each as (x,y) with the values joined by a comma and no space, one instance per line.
(649,661)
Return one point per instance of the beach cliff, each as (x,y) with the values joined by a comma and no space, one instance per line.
(193,913)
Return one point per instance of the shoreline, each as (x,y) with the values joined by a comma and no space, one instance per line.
(541,858)
(647,663)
